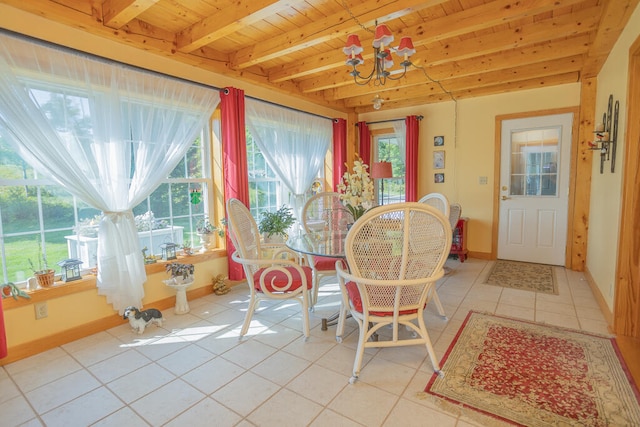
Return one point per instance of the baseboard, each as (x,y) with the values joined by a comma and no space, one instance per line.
(602,303)
(480,255)
(28,349)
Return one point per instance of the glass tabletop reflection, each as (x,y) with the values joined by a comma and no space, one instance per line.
(322,243)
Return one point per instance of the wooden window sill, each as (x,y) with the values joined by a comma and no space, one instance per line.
(88,282)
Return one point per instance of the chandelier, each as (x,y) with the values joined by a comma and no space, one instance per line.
(382,56)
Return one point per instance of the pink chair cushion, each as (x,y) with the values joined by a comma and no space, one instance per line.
(356,301)
(322,263)
(279,279)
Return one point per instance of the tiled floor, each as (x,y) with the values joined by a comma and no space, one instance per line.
(195,372)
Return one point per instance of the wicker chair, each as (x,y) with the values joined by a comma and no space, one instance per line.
(438,201)
(395,254)
(324,212)
(276,277)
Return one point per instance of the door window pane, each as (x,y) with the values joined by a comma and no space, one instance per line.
(534,160)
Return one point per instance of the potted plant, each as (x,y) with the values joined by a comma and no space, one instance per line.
(180,272)
(276,224)
(205,231)
(9,289)
(43,274)
(187,249)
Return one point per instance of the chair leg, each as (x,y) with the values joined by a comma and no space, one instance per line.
(316,285)
(357,363)
(430,350)
(305,314)
(253,303)
(439,306)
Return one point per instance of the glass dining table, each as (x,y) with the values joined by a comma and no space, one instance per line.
(320,243)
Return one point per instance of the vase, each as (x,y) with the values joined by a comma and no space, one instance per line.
(180,284)
(205,241)
(45,278)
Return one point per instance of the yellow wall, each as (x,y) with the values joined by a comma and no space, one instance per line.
(75,310)
(469,148)
(606,189)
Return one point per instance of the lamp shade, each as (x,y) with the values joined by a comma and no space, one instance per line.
(355,60)
(353,46)
(388,60)
(383,36)
(406,47)
(381,170)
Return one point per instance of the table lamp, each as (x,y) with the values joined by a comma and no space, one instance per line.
(381,170)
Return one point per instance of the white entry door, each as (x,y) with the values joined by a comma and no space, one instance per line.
(534,189)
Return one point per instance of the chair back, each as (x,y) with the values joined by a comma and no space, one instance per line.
(243,230)
(438,201)
(325,212)
(399,251)
(455,212)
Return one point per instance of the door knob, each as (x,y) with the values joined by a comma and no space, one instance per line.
(505,198)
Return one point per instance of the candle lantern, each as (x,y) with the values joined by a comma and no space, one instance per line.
(169,251)
(70,269)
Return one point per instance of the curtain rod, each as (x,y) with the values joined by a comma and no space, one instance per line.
(288,108)
(98,58)
(389,120)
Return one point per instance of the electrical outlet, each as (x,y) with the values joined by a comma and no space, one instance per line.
(482,180)
(41,310)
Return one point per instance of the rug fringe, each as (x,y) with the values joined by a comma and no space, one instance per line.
(462,411)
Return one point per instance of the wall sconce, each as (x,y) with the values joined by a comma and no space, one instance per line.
(70,269)
(169,251)
(606,138)
(377,102)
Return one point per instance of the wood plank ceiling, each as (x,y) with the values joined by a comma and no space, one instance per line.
(465,48)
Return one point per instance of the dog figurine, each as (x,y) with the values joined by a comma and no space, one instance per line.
(140,319)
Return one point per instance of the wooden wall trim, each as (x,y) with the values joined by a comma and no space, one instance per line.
(602,302)
(627,282)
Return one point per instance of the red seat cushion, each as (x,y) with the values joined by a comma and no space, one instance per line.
(279,279)
(356,301)
(323,263)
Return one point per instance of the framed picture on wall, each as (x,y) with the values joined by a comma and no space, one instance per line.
(438,141)
(438,178)
(438,159)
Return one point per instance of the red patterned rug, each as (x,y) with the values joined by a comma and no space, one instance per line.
(521,373)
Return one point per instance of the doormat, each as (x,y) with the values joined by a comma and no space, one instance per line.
(523,275)
(503,371)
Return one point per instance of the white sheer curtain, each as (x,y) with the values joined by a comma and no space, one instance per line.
(400,131)
(105,132)
(293,143)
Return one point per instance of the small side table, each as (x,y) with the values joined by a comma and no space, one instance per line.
(459,242)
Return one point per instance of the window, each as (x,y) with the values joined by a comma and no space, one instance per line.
(387,149)
(38,216)
(266,192)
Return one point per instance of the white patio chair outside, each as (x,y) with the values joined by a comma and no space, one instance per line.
(276,277)
(395,255)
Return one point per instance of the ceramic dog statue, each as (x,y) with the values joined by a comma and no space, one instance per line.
(140,319)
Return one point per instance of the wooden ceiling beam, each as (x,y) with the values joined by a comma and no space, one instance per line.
(229,20)
(337,25)
(117,13)
(490,79)
(450,49)
(615,17)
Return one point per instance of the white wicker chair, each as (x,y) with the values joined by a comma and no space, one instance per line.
(324,212)
(275,277)
(395,254)
(440,202)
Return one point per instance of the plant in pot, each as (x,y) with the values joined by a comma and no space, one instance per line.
(43,274)
(274,225)
(180,272)
(205,230)
(187,249)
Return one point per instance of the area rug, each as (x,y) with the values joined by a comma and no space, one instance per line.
(523,275)
(511,372)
